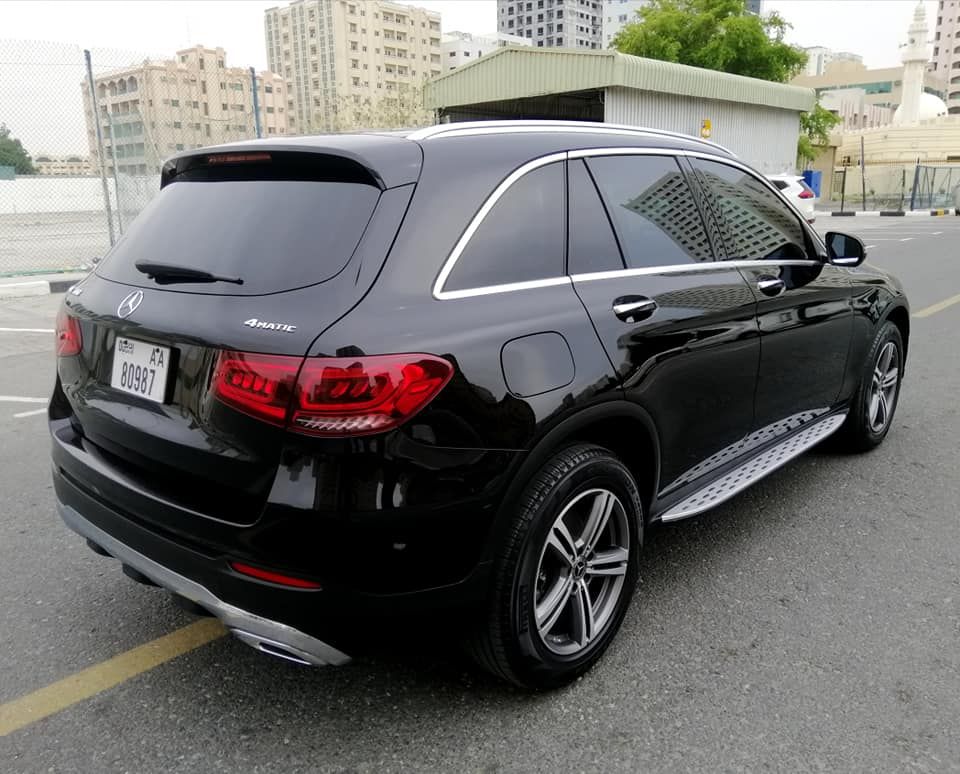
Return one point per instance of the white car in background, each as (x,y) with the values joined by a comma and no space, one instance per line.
(798,192)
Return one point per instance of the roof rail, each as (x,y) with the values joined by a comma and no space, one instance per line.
(505,127)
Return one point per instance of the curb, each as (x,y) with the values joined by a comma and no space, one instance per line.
(887,213)
(30,288)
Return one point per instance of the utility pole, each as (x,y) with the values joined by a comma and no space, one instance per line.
(256,102)
(96,122)
(863,177)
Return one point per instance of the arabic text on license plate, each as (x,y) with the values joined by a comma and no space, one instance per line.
(140,368)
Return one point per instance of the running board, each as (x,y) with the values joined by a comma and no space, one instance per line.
(753,469)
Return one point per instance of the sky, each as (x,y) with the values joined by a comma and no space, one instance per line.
(41,44)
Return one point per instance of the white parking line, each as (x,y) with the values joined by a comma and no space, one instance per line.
(20,399)
(32,413)
(27,330)
(907,239)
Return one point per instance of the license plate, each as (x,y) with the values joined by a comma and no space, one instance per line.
(140,368)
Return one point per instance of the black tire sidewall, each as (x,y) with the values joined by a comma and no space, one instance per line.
(535,658)
(888,332)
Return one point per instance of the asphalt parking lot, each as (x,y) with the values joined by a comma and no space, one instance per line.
(810,624)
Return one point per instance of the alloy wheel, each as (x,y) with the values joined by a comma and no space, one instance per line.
(883,387)
(581,572)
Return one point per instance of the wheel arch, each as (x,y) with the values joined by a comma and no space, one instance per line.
(900,316)
(624,428)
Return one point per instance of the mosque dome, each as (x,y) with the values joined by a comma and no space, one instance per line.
(931,106)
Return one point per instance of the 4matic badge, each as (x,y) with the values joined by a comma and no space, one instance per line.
(253,322)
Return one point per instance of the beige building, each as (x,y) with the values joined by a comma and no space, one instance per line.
(353,63)
(63,166)
(946,51)
(152,110)
(853,110)
(882,87)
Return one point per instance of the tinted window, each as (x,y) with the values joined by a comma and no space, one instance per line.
(591,244)
(521,239)
(756,224)
(273,234)
(653,209)
(781,184)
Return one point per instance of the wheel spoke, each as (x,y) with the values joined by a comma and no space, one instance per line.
(562,542)
(886,358)
(890,379)
(874,408)
(882,413)
(597,521)
(553,603)
(584,624)
(611,562)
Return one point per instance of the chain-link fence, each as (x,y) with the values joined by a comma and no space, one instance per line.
(897,187)
(83,135)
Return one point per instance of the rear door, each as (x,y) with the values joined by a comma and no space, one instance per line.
(679,327)
(295,240)
(803,302)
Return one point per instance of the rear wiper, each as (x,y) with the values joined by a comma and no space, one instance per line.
(165,273)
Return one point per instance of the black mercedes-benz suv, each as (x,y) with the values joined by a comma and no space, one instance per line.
(328,380)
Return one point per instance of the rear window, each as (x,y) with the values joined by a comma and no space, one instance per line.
(273,234)
(781,184)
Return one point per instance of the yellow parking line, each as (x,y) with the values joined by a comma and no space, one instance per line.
(89,682)
(938,307)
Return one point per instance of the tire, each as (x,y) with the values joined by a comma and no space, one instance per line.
(553,555)
(863,429)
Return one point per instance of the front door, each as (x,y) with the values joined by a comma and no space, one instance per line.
(679,327)
(803,302)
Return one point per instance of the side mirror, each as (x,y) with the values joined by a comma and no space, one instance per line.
(845,250)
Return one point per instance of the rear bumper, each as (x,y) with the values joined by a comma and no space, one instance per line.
(270,636)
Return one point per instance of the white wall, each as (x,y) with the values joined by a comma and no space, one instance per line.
(764,137)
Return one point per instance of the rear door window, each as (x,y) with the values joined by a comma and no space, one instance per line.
(755,222)
(522,237)
(592,246)
(275,235)
(652,207)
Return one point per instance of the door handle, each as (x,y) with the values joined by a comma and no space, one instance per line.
(633,308)
(771,286)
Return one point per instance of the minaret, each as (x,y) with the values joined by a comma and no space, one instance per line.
(915,58)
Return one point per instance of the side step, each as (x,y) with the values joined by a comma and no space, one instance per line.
(753,469)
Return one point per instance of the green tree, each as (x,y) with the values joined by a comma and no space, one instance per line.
(714,34)
(815,129)
(12,153)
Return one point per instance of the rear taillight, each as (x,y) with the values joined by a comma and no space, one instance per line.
(69,341)
(805,195)
(258,385)
(331,396)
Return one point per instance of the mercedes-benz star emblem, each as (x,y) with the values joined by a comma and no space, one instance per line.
(129,304)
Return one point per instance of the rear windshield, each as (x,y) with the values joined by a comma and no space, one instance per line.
(781,184)
(275,235)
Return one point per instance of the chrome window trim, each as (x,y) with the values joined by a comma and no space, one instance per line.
(443,295)
(438,292)
(688,268)
(507,288)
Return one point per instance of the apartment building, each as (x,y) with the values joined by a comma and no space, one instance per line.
(617,13)
(350,63)
(553,23)
(460,48)
(152,110)
(946,51)
(818,57)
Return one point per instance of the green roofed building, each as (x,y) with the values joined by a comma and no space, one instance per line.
(756,119)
